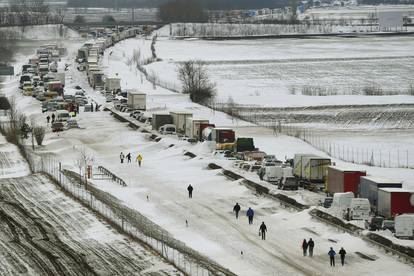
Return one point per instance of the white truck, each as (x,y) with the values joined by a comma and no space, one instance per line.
(137,100)
(404,226)
(192,127)
(359,208)
(112,84)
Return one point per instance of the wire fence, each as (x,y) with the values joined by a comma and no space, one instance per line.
(370,156)
(189,261)
(390,157)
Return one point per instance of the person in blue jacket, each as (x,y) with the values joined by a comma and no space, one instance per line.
(250,215)
(332,254)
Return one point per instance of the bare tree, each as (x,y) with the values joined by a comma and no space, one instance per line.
(39,133)
(195,81)
(83,159)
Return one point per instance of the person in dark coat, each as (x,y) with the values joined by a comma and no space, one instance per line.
(305,247)
(250,215)
(332,254)
(53,117)
(342,253)
(122,156)
(236,209)
(128,156)
(48,119)
(311,245)
(190,191)
(263,230)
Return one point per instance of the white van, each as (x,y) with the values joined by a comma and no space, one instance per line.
(341,202)
(168,129)
(360,208)
(404,226)
(62,115)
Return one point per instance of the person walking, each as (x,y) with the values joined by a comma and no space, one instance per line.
(311,245)
(263,230)
(53,118)
(236,209)
(332,254)
(139,159)
(128,156)
(342,253)
(190,191)
(122,156)
(250,215)
(305,247)
(48,119)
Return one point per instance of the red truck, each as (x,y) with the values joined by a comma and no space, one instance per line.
(341,180)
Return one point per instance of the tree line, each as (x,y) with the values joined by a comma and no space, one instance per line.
(28,12)
(206,4)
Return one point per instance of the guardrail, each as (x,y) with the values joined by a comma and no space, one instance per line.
(112,176)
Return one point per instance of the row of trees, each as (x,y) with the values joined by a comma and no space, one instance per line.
(29,12)
(207,4)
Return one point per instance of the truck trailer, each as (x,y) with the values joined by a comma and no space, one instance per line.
(137,100)
(395,201)
(180,120)
(342,180)
(192,127)
(311,170)
(369,185)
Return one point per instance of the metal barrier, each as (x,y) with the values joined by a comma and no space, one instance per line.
(112,176)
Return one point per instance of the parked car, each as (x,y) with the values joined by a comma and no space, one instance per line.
(57,126)
(327,202)
(374,223)
(288,183)
(71,123)
(168,129)
(388,225)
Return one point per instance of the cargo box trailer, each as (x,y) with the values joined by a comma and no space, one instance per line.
(223,135)
(245,144)
(137,100)
(297,163)
(192,127)
(369,185)
(342,180)
(395,201)
(97,79)
(315,168)
(180,120)
(160,119)
(404,226)
(112,84)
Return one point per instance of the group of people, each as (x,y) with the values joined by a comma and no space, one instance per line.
(250,215)
(308,245)
(53,118)
(332,255)
(129,158)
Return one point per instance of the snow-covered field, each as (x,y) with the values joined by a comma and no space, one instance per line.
(276,72)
